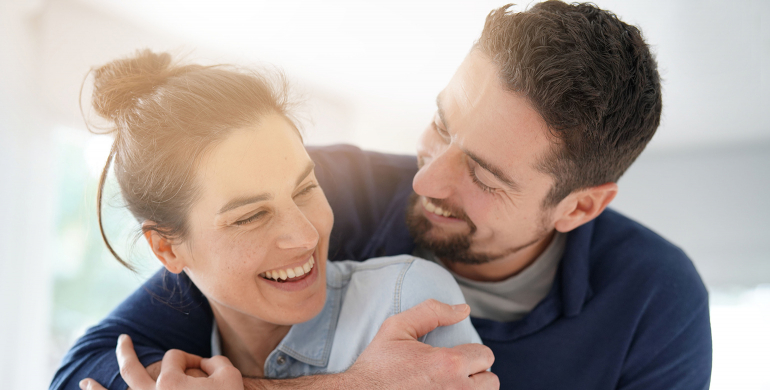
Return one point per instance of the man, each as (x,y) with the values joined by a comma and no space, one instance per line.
(516,170)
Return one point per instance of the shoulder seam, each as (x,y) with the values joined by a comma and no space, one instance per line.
(399,286)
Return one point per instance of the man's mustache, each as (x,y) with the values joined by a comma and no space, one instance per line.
(456,211)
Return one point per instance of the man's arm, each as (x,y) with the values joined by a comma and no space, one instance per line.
(167,312)
(680,361)
(671,346)
(394,360)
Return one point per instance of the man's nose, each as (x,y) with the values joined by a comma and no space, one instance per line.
(296,231)
(439,173)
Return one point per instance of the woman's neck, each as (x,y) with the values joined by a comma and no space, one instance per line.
(247,341)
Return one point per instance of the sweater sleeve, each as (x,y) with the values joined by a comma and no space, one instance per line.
(426,280)
(671,347)
(167,312)
(680,362)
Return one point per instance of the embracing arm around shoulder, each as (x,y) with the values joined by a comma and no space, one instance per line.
(394,360)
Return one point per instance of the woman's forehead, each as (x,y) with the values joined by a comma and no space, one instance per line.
(265,157)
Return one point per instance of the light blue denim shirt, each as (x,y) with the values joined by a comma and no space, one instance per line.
(359,297)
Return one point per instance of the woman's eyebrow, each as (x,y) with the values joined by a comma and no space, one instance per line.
(305,173)
(238,202)
(242,201)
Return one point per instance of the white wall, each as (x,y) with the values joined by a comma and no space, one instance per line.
(26,204)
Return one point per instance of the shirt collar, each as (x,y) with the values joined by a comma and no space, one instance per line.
(308,342)
(575,270)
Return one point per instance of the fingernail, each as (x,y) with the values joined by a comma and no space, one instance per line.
(461,307)
(83,384)
(121,338)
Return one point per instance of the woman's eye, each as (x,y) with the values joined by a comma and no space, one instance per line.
(251,219)
(307,190)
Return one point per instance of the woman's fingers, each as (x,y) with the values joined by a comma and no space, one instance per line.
(222,371)
(177,361)
(215,363)
(90,384)
(131,369)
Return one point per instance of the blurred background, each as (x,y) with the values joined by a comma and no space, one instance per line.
(368,73)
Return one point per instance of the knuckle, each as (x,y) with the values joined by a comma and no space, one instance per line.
(164,383)
(389,323)
(432,302)
(489,355)
(221,360)
(171,353)
(126,371)
(451,361)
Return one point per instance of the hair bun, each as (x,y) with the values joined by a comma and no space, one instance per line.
(119,84)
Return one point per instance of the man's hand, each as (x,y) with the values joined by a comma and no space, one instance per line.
(396,360)
(175,370)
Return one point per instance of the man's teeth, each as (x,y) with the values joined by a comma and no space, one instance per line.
(435,209)
(288,273)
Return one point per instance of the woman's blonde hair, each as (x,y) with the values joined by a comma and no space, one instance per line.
(164,116)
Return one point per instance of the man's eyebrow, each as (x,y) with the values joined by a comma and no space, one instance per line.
(440,110)
(238,202)
(499,174)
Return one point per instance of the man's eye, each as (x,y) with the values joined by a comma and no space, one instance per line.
(475,178)
(441,132)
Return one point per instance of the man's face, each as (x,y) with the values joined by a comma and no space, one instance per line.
(478,162)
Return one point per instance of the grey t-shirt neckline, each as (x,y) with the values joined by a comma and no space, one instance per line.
(513,298)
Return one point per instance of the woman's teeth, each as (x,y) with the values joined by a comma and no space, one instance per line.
(288,273)
(435,209)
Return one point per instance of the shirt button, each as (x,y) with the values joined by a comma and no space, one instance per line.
(280,359)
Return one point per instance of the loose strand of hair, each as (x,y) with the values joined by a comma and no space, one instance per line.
(99,195)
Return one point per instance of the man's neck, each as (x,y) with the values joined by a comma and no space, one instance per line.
(504,268)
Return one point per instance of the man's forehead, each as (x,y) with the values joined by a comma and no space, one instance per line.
(489,120)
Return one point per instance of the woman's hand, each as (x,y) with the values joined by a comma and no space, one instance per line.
(175,372)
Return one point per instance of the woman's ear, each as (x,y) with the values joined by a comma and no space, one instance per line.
(582,206)
(164,250)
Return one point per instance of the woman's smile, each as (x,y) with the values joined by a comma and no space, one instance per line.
(293,277)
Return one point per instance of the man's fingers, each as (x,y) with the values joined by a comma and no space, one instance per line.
(423,318)
(485,381)
(476,357)
(131,369)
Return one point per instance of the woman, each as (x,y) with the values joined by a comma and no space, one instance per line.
(210,162)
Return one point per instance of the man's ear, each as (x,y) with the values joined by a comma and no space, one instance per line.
(164,250)
(582,206)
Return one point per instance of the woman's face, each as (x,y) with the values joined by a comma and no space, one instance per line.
(261,215)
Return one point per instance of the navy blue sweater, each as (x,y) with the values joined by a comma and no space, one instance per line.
(627,309)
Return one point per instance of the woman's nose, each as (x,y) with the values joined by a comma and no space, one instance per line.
(296,231)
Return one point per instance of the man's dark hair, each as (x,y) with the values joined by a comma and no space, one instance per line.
(590,76)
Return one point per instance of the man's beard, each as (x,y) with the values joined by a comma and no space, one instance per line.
(455,248)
